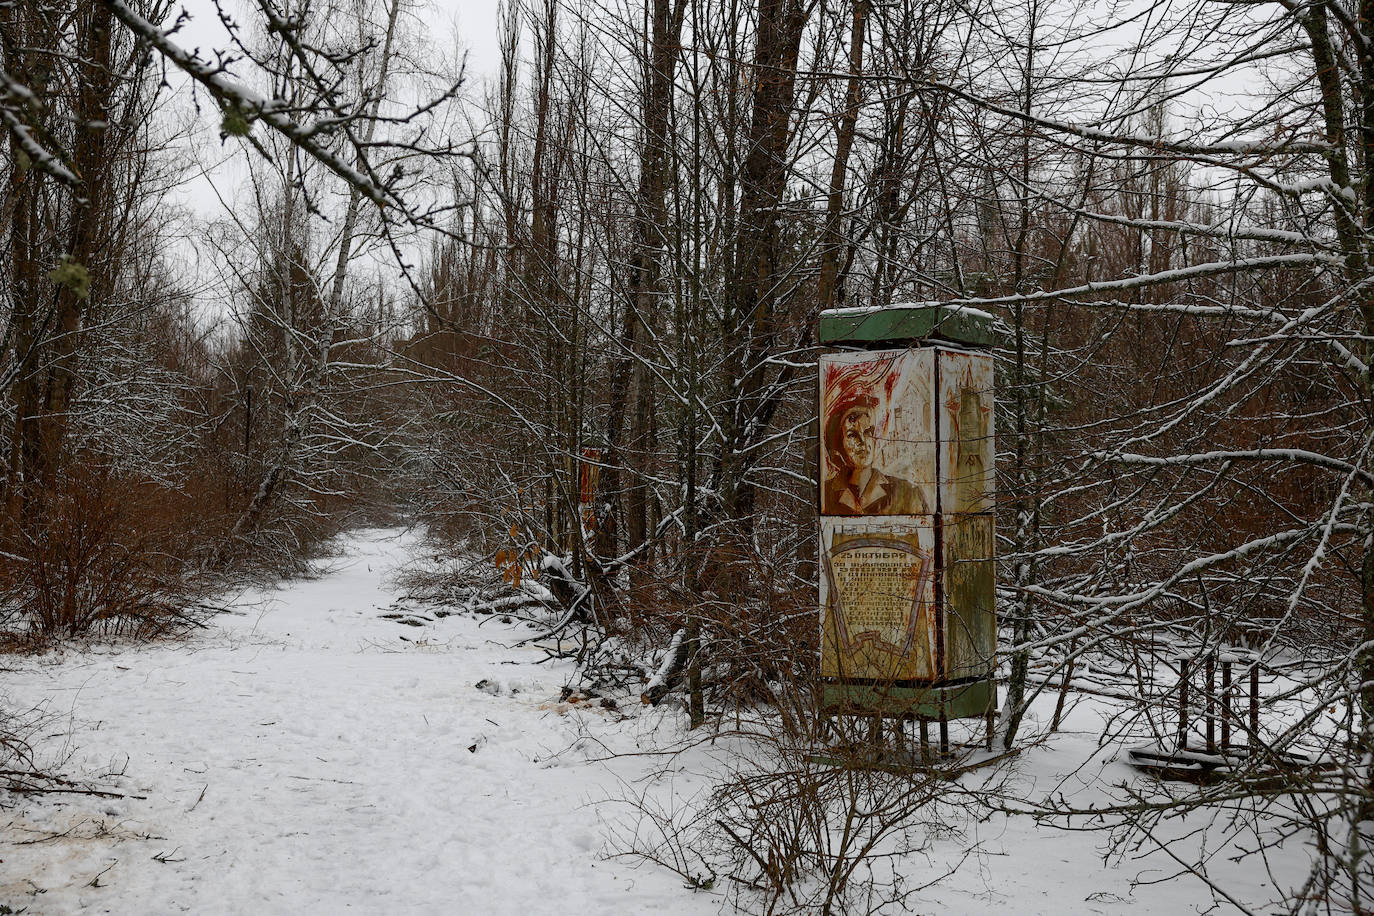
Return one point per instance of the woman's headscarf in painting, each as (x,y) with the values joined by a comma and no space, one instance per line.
(850,386)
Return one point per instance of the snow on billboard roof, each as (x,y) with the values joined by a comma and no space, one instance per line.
(908,321)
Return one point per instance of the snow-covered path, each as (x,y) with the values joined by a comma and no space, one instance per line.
(307,755)
(304,757)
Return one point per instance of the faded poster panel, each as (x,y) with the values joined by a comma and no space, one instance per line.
(969,592)
(878,598)
(968,458)
(877,433)
(588,479)
(589,476)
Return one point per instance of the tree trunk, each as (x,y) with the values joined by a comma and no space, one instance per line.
(634,383)
(833,240)
(44,394)
(752,300)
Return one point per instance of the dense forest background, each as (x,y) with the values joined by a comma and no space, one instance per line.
(566,319)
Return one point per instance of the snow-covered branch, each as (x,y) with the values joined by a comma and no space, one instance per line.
(243,106)
(1175,275)
(1260,454)
(16,98)
(1252,148)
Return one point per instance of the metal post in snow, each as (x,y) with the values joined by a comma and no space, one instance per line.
(1211,668)
(1225,703)
(1183,673)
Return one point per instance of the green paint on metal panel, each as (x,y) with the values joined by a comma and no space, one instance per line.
(905,322)
(956,701)
(970,610)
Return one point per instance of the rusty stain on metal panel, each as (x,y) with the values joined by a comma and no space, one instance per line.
(967,455)
(970,616)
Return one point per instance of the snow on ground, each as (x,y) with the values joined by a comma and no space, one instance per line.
(307,755)
(303,758)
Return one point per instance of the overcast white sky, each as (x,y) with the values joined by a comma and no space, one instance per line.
(474,21)
(218,172)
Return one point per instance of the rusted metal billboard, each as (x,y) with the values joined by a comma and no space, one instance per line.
(906,493)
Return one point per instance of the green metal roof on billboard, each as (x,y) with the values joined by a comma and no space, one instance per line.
(908,321)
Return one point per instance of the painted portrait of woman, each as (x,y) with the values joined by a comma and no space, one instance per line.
(871,407)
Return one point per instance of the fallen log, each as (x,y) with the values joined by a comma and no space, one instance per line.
(669,673)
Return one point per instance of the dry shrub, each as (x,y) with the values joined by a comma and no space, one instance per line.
(105,551)
(798,824)
(758,624)
(760,635)
(809,815)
